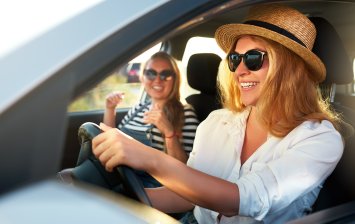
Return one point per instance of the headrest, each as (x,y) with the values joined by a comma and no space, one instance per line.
(330,49)
(202,72)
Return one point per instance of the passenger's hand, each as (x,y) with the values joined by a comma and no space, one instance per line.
(157,117)
(113,99)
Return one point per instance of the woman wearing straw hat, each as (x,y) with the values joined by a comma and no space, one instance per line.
(267,153)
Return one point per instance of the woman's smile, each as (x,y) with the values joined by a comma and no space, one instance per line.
(248,85)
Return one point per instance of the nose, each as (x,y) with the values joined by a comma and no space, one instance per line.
(241,69)
(158,78)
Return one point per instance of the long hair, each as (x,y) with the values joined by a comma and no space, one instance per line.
(173,108)
(289,95)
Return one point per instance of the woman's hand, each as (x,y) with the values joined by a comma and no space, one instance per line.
(157,117)
(113,148)
(113,99)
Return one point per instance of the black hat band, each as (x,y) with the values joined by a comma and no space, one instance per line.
(276,29)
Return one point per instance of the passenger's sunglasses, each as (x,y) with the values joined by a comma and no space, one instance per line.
(164,75)
(253,60)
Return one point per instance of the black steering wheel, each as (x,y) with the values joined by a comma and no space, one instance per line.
(122,179)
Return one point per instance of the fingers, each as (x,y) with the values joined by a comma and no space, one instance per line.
(106,159)
(100,140)
(116,97)
(104,127)
(111,163)
(106,154)
(96,141)
(113,99)
(98,144)
(111,147)
(157,106)
(104,146)
(158,119)
(116,94)
(151,117)
(147,118)
(154,114)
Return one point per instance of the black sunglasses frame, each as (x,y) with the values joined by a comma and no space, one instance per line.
(253,64)
(164,75)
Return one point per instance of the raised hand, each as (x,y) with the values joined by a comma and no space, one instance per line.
(157,117)
(113,99)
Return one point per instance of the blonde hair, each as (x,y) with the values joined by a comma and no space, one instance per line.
(173,108)
(289,96)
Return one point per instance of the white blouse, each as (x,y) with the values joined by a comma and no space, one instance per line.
(280,181)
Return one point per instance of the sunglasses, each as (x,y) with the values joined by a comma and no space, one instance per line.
(164,75)
(253,60)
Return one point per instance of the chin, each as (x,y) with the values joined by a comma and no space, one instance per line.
(249,103)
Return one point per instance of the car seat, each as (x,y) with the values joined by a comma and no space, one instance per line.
(202,72)
(339,188)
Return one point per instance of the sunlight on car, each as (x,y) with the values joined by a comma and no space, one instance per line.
(29,19)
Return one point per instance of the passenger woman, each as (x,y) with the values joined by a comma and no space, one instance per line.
(163,122)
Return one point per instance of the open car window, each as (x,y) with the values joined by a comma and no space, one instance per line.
(124,79)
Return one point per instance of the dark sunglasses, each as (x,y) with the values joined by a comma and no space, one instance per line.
(253,60)
(164,75)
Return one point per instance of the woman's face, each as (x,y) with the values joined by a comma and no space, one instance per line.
(158,89)
(250,82)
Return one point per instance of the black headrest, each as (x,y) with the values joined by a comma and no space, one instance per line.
(202,72)
(330,49)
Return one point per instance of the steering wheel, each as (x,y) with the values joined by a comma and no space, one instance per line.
(132,186)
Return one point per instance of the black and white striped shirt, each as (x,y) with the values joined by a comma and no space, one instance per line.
(136,123)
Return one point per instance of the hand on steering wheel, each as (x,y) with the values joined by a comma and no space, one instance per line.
(131,184)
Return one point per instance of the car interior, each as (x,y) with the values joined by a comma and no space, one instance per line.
(339,71)
(89,170)
(203,66)
(332,46)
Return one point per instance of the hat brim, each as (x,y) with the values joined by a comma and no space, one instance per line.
(227,34)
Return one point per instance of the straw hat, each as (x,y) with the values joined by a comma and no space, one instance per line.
(279,23)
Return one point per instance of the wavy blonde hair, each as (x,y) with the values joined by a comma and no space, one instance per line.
(289,95)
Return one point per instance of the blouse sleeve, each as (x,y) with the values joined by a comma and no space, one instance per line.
(309,157)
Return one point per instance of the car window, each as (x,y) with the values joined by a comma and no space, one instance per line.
(124,79)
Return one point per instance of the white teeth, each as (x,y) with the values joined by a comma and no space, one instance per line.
(157,87)
(248,84)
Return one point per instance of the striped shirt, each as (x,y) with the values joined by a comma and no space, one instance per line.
(136,123)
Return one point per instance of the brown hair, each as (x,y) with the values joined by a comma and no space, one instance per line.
(173,108)
(289,96)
